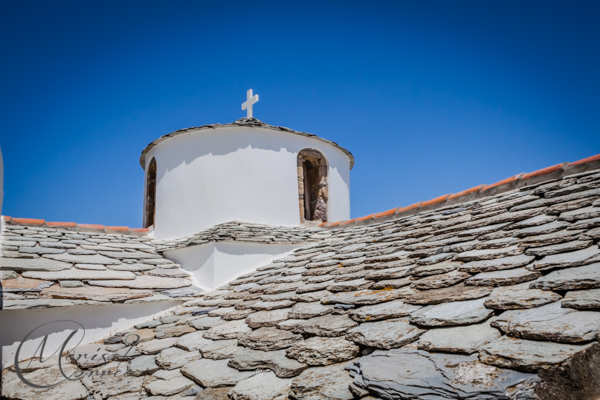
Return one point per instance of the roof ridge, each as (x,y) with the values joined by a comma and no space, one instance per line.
(74,226)
(517,181)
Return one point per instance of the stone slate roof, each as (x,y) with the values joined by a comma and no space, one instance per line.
(496,299)
(239,231)
(244,122)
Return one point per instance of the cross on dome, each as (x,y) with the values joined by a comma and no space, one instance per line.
(250,100)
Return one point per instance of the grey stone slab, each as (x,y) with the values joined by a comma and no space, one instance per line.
(35,264)
(135,267)
(174,357)
(172,331)
(454,293)
(126,254)
(145,282)
(542,229)
(551,322)
(263,386)
(143,365)
(192,341)
(459,339)
(393,283)
(230,313)
(435,269)
(312,296)
(70,284)
(519,297)
(170,387)
(586,277)
(534,221)
(214,373)
(440,281)
(156,346)
(267,318)
(436,258)
(44,303)
(41,250)
(559,248)
(432,376)
(326,325)
(267,339)
(386,334)
(92,267)
(247,359)
(352,285)
(503,278)
(5,275)
(526,355)
(77,274)
(586,224)
(272,305)
(389,273)
(205,322)
(14,388)
(497,264)
(454,313)
(582,299)
(329,382)
(90,259)
(488,254)
(314,287)
(308,310)
(365,297)
(227,330)
(570,259)
(324,351)
(94,293)
(551,238)
(390,309)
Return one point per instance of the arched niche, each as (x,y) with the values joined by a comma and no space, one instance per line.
(150,198)
(313,192)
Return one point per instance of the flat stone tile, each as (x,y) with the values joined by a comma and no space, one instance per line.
(323,351)
(445,295)
(326,325)
(387,310)
(246,359)
(329,382)
(267,339)
(268,318)
(496,264)
(365,297)
(263,386)
(459,339)
(519,297)
(214,373)
(582,299)
(454,313)
(440,281)
(228,330)
(586,277)
(503,278)
(307,310)
(386,334)
(570,259)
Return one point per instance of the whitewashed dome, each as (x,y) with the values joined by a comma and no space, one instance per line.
(247,170)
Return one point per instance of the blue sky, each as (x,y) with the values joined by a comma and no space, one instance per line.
(432,97)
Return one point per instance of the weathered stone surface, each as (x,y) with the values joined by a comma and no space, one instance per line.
(445,295)
(44,303)
(519,297)
(14,388)
(172,331)
(389,273)
(488,254)
(220,393)
(308,310)
(143,365)
(6,275)
(170,387)
(230,313)
(87,259)
(128,254)
(586,277)
(35,264)
(95,293)
(272,305)
(390,309)
(90,355)
(204,323)
(218,349)
(24,285)
(365,297)
(214,373)
(156,346)
(526,355)
(247,359)
(416,374)
(91,267)
(541,229)
(497,264)
(503,278)
(575,379)
(330,382)
(459,339)
(125,267)
(440,281)
(145,282)
(77,274)
(582,299)
(558,248)
(41,250)
(323,351)
(228,330)
(113,386)
(267,318)
(386,334)
(326,325)
(264,386)
(312,296)
(174,357)
(347,286)
(550,322)
(393,283)
(570,259)
(435,269)
(454,313)
(267,339)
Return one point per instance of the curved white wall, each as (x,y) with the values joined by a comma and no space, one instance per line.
(209,177)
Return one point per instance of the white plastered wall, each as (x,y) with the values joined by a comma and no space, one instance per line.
(207,177)
(215,264)
(99,322)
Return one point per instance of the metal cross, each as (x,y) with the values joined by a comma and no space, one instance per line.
(250,100)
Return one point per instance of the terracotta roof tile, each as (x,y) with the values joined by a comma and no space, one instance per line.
(502,182)
(28,221)
(543,171)
(386,213)
(435,201)
(474,189)
(586,160)
(62,224)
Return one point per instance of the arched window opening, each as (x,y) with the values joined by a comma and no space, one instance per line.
(150,193)
(312,185)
